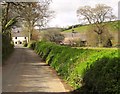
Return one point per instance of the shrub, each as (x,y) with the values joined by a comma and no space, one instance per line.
(102,77)
(7,46)
(81,66)
(32,45)
(25,43)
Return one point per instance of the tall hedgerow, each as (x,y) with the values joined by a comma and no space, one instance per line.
(87,70)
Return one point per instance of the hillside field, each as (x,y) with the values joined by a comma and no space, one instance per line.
(112,27)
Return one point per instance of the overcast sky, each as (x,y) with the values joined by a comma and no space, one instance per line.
(65,10)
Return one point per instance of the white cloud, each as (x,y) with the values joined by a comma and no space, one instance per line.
(65,10)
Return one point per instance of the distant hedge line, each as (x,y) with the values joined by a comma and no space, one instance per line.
(87,70)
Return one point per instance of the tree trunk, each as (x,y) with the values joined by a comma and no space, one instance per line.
(29,36)
(99,41)
(7,10)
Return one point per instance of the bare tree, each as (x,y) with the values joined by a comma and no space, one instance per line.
(52,36)
(5,14)
(96,16)
(33,13)
(85,13)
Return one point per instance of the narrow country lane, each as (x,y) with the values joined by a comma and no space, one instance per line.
(25,72)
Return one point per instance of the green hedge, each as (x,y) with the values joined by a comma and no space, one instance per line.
(7,46)
(102,77)
(31,44)
(76,65)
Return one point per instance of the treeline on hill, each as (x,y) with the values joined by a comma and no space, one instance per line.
(87,70)
(73,26)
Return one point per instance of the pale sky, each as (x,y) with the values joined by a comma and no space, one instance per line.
(65,10)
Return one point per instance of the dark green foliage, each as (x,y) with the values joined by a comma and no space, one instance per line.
(7,46)
(25,44)
(32,45)
(7,22)
(96,67)
(73,26)
(102,77)
(10,23)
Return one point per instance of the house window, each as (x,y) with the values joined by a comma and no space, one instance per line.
(25,37)
(15,37)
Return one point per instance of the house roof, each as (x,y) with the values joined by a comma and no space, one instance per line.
(19,34)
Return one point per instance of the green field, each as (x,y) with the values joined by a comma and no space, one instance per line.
(112,27)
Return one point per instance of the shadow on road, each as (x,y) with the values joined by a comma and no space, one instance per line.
(29,71)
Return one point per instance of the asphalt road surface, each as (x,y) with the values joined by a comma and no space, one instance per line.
(24,71)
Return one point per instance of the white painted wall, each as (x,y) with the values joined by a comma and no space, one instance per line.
(21,39)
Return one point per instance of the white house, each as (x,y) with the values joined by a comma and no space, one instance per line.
(19,37)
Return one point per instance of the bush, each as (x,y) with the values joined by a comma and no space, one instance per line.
(25,43)
(32,45)
(109,75)
(102,77)
(74,65)
(7,46)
